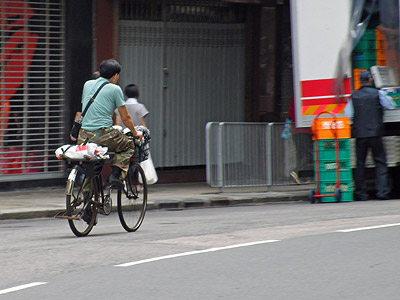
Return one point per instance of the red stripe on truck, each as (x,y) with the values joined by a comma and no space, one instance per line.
(322,87)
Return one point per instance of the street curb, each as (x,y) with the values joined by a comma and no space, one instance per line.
(23,215)
(211,202)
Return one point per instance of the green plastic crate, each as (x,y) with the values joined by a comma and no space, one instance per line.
(364,55)
(327,151)
(366,44)
(344,144)
(330,175)
(330,165)
(331,155)
(367,41)
(368,34)
(328,188)
(363,64)
(327,170)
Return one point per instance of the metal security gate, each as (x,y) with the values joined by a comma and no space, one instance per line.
(188,59)
(31,88)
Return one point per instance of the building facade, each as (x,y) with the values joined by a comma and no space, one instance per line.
(194,61)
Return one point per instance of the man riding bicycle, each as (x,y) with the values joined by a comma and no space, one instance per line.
(98,121)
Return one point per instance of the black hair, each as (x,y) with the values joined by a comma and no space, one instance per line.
(132,91)
(365,76)
(109,67)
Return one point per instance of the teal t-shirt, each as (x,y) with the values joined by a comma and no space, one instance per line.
(101,111)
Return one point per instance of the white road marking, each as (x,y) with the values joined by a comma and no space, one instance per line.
(193,253)
(33,284)
(368,228)
(21,287)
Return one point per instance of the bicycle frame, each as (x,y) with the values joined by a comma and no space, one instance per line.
(86,197)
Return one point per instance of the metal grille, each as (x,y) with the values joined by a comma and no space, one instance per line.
(188,59)
(188,74)
(31,88)
(182,11)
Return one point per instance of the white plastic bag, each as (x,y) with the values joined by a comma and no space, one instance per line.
(149,171)
(79,152)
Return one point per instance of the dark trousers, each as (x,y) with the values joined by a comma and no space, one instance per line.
(378,152)
(115,141)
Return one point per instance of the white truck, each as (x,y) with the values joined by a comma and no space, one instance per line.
(332,41)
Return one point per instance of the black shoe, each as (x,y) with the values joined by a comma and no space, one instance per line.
(115,181)
(87,216)
(114,178)
(383,198)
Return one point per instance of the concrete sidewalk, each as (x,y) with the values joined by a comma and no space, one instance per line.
(46,202)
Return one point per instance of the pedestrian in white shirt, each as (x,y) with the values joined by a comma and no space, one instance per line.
(136,110)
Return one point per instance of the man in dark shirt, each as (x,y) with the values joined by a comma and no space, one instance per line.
(366,108)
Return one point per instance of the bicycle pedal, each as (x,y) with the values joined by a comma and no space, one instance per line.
(61,214)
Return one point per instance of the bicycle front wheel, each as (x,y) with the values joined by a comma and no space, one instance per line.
(132,200)
(81,209)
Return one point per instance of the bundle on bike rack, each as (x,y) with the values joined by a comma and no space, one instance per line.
(87,151)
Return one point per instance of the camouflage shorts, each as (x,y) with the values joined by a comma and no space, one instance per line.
(116,142)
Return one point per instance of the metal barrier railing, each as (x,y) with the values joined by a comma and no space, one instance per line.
(252,154)
(255,154)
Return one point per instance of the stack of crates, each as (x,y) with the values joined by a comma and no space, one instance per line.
(381,48)
(383,58)
(327,169)
(372,50)
(364,55)
(324,140)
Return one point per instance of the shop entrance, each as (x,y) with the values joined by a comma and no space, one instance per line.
(187,57)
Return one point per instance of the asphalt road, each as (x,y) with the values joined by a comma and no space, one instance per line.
(272,251)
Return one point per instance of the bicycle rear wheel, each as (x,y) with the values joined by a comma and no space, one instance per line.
(132,200)
(81,209)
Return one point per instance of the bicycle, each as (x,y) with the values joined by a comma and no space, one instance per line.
(86,196)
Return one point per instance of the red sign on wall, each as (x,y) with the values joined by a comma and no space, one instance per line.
(16,53)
